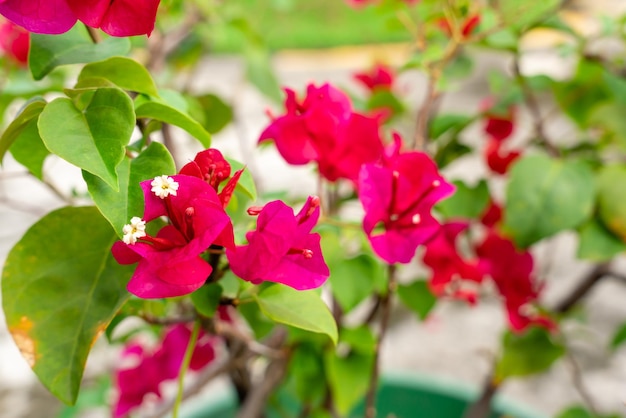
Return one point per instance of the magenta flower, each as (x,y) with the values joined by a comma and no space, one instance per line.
(452,274)
(14,41)
(512,272)
(380,77)
(170,263)
(323,128)
(398,195)
(282,249)
(148,370)
(117,18)
(211,166)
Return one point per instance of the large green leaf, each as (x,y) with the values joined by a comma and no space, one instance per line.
(211,111)
(300,309)
(532,352)
(418,298)
(165,112)
(118,206)
(60,289)
(348,377)
(94,138)
(123,72)
(74,47)
(611,205)
(31,110)
(545,196)
(355,279)
(29,150)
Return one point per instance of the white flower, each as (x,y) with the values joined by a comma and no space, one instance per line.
(163,186)
(133,231)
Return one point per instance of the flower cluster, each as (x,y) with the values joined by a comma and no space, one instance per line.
(117,18)
(143,371)
(14,42)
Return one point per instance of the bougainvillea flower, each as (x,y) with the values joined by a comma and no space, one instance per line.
(323,128)
(498,124)
(117,18)
(147,370)
(467,28)
(379,77)
(361,3)
(512,272)
(498,160)
(14,41)
(211,166)
(492,214)
(398,195)
(169,264)
(450,271)
(282,249)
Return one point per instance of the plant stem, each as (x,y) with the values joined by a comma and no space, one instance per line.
(183,367)
(482,407)
(385,306)
(94,34)
(587,283)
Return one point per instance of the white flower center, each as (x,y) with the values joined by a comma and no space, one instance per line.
(163,186)
(133,231)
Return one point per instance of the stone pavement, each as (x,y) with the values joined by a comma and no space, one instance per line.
(457,342)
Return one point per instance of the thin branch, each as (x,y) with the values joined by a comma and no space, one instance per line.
(579,383)
(482,407)
(586,284)
(370,399)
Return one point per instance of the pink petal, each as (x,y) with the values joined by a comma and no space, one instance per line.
(119,17)
(39,16)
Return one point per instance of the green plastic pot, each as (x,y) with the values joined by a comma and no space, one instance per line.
(400,396)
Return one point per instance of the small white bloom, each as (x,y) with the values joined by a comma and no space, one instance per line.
(133,231)
(163,186)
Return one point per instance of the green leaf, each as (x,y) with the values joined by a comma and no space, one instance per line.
(581,412)
(164,112)
(61,287)
(348,378)
(521,14)
(466,202)
(207,299)
(449,121)
(260,74)
(124,72)
(246,181)
(451,151)
(216,114)
(598,243)
(118,206)
(306,368)
(385,99)
(545,196)
(619,337)
(300,309)
(74,47)
(31,110)
(92,139)
(418,298)
(359,339)
(29,150)
(354,279)
(611,207)
(532,352)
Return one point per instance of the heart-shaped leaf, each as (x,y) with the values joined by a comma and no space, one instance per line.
(60,289)
(94,138)
(124,72)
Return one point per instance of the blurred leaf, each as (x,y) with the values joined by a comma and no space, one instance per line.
(124,72)
(385,100)
(619,337)
(440,124)
(29,150)
(581,412)
(74,47)
(579,96)
(521,14)
(206,300)
(418,298)
(61,287)
(300,309)
(532,352)
(94,138)
(348,378)
(466,202)
(450,152)
(306,368)
(91,396)
(545,196)
(259,323)
(260,73)
(598,243)
(360,339)
(29,112)
(216,113)
(354,279)
(118,206)
(611,205)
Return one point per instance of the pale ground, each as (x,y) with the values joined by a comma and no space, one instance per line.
(457,342)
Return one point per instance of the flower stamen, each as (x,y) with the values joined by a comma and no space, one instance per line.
(133,231)
(163,186)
